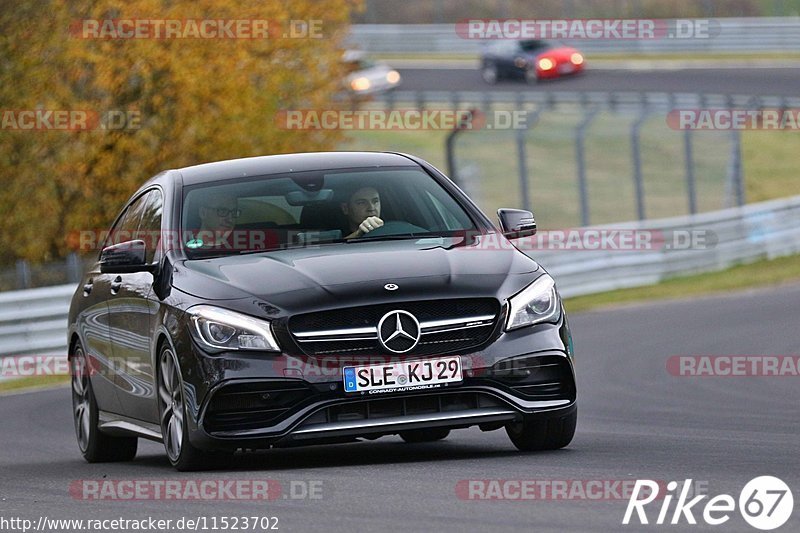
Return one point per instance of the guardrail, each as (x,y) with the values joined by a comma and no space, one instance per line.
(761,34)
(35,320)
(731,236)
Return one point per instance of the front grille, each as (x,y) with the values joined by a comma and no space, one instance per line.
(404,406)
(253,405)
(446,326)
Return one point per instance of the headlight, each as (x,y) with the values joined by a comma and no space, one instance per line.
(393,77)
(220,329)
(546,64)
(360,84)
(538,302)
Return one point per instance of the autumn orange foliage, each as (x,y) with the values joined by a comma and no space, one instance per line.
(187,100)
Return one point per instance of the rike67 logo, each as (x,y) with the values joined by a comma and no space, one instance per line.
(765,503)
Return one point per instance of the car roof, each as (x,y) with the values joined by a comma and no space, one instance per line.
(286,163)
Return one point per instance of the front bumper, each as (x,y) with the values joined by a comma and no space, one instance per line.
(252,401)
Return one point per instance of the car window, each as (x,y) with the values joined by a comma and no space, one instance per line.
(448,218)
(141,219)
(127,224)
(503,47)
(150,225)
(273,212)
(533,46)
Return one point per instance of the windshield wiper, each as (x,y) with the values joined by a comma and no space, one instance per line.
(400,237)
(288,247)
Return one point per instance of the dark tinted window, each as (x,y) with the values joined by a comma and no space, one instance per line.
(140,220)
(273,212)
(533,46)
(150,225)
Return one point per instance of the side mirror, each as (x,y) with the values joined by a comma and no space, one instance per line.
(516,223)
(125,258)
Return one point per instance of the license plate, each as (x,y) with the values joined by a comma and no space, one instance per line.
(403,375)
(565,68)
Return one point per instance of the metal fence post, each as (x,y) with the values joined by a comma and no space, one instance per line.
(736,166)
(23,274)
(689,161)
(523,170)
(73,268)
(583,188)
(390,100)
(734,184)
(531,118)
(450,143)
(637,163)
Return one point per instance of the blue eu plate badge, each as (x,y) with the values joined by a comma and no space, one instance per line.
(350,379)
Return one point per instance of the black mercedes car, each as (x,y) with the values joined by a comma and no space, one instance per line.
(309,299)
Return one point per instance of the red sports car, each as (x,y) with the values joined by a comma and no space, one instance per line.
(530,60)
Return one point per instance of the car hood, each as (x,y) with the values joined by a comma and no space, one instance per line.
(338,275)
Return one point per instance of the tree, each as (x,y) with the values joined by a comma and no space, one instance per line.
(188,100)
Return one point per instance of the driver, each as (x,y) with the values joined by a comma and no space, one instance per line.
(218,214)
(363,211)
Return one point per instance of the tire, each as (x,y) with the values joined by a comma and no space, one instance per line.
(489,73)
(543,434)
(424,435)
(182,455)
(530,77)
(95,446)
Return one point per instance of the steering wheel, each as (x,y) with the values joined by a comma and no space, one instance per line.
(395,227)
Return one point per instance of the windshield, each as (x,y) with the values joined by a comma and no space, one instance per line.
(314,208)
(534,46)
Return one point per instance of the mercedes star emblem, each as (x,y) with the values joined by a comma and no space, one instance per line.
(398,331)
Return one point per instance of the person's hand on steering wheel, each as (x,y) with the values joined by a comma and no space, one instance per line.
(369,224)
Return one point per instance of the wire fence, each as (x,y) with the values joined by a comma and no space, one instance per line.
(581,159)
(591,158)
(26,275)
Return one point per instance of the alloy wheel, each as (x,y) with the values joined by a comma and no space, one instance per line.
(80,399)
(170,398)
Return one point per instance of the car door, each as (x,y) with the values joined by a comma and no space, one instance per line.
(94,329)
(132,310)
(508,53)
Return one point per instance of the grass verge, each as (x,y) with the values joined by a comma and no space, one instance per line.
(31,382)
(758,274)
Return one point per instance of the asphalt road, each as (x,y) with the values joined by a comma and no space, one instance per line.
(636,421)
(748,81)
